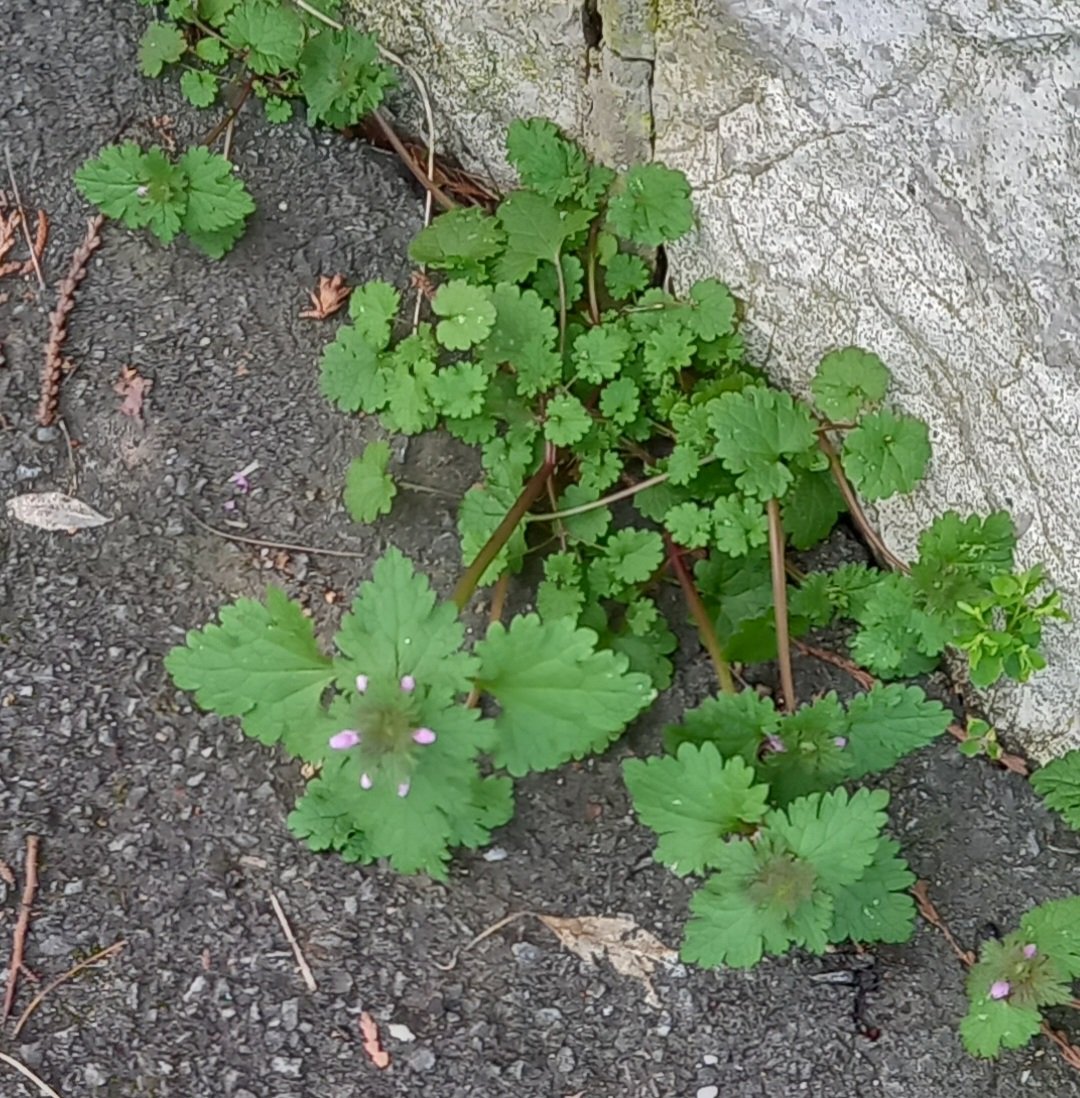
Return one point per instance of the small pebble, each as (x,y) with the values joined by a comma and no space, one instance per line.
(564,1060)
(94,1076)
(709,1060)
(46,434)
(423,1059)
(495,854)
(708,1092)
(400,1032)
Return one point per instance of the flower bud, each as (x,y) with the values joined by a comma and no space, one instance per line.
(345,739)
(1030,950)
(408,683)
(1000,989)
(365,781)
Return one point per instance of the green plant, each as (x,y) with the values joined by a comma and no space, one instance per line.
(398,750)
(664,460)
(1031,968)
(197,195)
(1058,783)
(277,51)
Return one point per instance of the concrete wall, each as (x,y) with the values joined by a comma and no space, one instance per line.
(901,174)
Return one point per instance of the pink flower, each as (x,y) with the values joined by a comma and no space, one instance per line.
(365,781)
(1030,950)
(403,789)
(775,744)
(840,741)
(408,683)
(243,485)
(1000,989)
(423,736)
(345,739)
(361,683)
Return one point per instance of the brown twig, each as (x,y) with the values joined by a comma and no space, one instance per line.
(52,370)
(493,929)
(23,221)
(44,1089)
(498,602)
(262,543)
(885,556)
(290,937)
(436,192)
(52,985)
(921,891)
(780,608)
(210,139)
(18,942)
(41,239)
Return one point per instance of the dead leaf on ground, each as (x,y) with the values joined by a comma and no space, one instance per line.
(134,388)
(632,951)
(372,1045)
(54,511)
(327,297)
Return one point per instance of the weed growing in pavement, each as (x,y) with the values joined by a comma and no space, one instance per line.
(586,386)
(626,436)
(231,50)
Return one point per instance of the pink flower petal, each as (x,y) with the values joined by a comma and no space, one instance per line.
(365,781)
(408,683)
(423,736)
(1000,989)
(403,789)
(361,683)
(345,739)
(1030,951)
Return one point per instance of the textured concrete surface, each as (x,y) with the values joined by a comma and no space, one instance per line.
(906,176)
(896,173)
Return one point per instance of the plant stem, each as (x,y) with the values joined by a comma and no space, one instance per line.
(780,610)
(211,138)
(562,303)
(622,493)
(440,196)
(873,539)
(700,615)
(529,495)
(590,269)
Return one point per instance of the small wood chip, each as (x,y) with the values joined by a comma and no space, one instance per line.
(54,511)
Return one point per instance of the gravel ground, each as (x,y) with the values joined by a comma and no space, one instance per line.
(163,827)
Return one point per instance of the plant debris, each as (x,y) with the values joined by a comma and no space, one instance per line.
(134,388)
(53,368)
(54,511)
(327,298)
(372,1044)
(632,951)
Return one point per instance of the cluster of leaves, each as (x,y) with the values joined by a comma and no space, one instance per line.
(197,194)
(1034,967)
(752,793)
(401,670)
(1058,783)
(278,52)
(284,51)
(962,592)
(546,334)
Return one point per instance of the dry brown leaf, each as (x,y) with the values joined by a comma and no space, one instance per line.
(372,1045)
(53,511)
(327,297)
(632,951)
(133,387)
